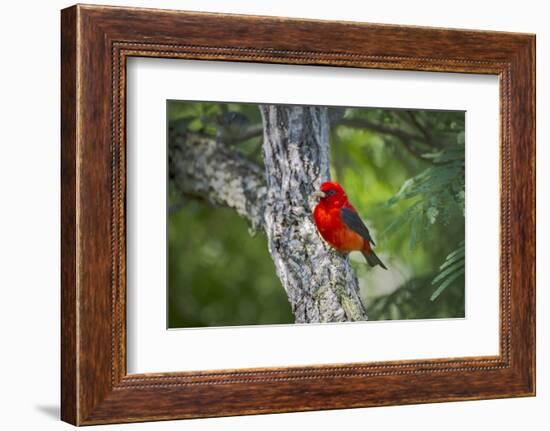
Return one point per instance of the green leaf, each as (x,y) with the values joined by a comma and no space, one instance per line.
(454,267)
(414,230)
(452,260)
(445,284)
(195,125)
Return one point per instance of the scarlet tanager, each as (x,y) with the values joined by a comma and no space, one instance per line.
(340,225)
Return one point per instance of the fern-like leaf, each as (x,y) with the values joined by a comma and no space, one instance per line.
(451,269)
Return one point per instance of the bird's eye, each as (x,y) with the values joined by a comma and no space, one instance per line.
(330,192)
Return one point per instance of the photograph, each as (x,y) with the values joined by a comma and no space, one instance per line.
(281,214)
(271,211)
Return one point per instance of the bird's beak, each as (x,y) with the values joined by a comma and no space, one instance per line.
(318,194)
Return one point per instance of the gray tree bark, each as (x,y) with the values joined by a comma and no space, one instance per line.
(208,170)
(319,282)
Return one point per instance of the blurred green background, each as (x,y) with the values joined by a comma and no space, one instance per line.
(403,170)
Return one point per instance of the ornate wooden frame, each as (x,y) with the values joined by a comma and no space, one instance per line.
(95,43)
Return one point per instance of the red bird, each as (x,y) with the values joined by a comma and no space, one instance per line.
(340,225)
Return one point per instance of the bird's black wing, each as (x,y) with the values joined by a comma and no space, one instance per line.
(352,220)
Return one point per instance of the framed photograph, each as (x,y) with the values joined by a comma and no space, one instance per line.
(265,215)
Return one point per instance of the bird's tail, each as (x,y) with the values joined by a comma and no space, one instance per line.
(373,259)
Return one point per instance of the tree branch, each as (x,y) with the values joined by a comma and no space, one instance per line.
(361,123)
(406,138)
(203,168)
(248,133)
(416,122)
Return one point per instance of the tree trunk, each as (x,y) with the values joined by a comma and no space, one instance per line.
(319,282)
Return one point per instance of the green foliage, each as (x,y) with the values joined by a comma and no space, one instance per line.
(218,274)
(224,121)
(452,269)
(437,192)
(411,301)
(412,197)
(404,172)
(438,195)
(193,117)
